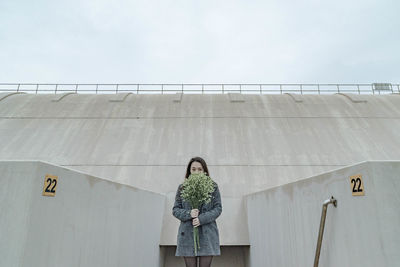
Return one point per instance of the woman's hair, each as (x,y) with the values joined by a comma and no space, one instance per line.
(199,160)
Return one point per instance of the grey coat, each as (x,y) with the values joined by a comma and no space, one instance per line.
(208,230)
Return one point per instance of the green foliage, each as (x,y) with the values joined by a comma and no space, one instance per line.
(197,189)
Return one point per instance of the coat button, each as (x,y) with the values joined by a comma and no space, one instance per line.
(182,233)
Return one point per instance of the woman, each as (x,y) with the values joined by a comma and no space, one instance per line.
(203,218)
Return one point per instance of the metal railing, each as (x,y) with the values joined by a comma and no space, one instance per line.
(333,201)
(40,88)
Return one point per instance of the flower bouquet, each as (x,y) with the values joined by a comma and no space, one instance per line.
(197,190)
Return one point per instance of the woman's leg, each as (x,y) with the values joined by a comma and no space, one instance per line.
(205,261)
(190,261)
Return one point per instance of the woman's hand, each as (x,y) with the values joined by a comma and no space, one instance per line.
(194,213)
(196,222)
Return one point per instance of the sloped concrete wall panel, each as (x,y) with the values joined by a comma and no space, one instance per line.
(89,222)
(360,231)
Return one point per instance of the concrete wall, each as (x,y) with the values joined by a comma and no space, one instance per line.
(361,231)
(90,221)
(147,140)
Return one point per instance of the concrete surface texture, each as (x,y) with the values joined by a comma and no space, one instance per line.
(361,231)
(250,144)
(89,222)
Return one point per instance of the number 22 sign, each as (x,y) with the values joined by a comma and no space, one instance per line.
(357,185)
(50,185)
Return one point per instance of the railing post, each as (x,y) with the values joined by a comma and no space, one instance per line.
(338,90)
(76,88)
(37,88)
(202,89)
(260,89)
(301,89)
(358,88)
(240,88)
(280,87)
(18,87)
(223,89)
(137,89)
(319,91)
(182,88)
(162,88)
(55,92)
(117,89)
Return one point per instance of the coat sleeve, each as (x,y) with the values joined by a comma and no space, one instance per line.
(211,215)
(178,211)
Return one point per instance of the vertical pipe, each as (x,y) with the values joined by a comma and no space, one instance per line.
(320,235)
(333,201)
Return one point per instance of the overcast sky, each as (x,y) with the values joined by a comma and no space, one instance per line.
(185,41)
